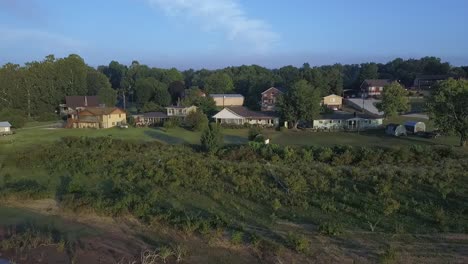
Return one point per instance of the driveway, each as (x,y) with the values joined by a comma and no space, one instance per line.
(369,105)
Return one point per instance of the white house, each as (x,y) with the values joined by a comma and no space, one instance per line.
(5,128)
(239,115)
(347,121)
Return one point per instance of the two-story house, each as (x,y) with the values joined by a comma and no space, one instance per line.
(97,117)
(270,98)
(373,87)
(180,111)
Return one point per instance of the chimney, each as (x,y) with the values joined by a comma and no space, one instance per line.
(85,101)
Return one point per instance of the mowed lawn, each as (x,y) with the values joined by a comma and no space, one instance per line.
(36,133)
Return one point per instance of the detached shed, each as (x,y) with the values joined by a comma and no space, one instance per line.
(5,128)
(395,130)
(415,127)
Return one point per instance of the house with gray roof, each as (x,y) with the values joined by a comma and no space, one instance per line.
(340,120)
(239,115)
(5,128)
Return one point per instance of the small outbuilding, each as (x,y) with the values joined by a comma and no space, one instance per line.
(5,128)
(395,130)
(414,127)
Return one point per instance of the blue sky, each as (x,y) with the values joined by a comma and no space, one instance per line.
(219,33)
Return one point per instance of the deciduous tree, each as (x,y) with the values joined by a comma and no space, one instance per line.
(300,103)
(448,106)
(394,100)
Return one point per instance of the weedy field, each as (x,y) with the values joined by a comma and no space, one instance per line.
(260,203)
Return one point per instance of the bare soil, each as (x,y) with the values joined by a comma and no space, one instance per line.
(122,240)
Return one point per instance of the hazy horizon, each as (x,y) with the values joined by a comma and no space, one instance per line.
(220,33)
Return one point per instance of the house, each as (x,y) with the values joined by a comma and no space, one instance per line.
(333,101)
(239,115)
(426,82)
(270,98)
(150,119)
(414,127)
(347,121)
(76,103)
(373,87)
(395,130)
(5,128)
(97,117)
(228,99)
(180,111)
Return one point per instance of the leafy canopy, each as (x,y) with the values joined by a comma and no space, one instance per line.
(394,100)
(448,106)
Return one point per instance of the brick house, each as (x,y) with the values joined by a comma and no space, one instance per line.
(270,98)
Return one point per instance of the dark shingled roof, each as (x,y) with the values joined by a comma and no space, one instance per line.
(377,82)
(155,114)
(81,101)
(281,89)
(339,115)
(245,112)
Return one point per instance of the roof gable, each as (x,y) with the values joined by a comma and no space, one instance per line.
(227,113)
(281,90)
(5,124)
(227,95)
(376,82)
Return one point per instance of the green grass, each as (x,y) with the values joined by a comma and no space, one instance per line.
(33,135)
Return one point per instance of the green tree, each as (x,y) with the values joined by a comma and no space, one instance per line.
(196,97)
(219,83)
(96,81)
(300,103)
(16,118)
(394,100)
(176,90)
(107,96)
(449,108)
(212,138)
(368,71)
(150,89)
(197,121)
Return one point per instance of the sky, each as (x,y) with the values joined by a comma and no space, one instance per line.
(219,33)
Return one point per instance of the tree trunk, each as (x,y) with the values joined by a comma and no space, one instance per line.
(295,124)
(463,140)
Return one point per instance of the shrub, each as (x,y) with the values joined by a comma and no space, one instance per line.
(237,237)
(172,122)
(47,117)
(331,229)
(211,139)
(298,242)
(16,118)
(196,121)
(254,132)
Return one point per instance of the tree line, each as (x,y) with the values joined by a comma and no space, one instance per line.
(38,87)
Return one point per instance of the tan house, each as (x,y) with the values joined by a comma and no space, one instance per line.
(228,99)
(97,117)
(180,111)
(333,101)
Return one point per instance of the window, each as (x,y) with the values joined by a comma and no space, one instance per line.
(120,115)
(113,123)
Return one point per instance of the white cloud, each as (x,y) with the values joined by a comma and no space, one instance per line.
(226,16)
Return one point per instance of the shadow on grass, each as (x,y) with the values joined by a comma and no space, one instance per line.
(163,136)
(234,140)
